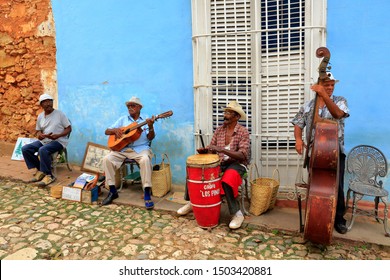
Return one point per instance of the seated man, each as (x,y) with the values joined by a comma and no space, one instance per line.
(232,143)
(52,128)
(139,150)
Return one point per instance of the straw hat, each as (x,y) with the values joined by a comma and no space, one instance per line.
(135,100)
(234,106)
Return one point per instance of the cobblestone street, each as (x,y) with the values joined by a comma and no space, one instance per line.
(33,225)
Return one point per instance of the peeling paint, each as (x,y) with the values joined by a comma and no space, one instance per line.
(47,28)
(49,82)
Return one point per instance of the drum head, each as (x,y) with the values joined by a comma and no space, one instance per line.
(203,159)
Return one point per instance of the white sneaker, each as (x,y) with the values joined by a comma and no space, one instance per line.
(185,209)
(236,222)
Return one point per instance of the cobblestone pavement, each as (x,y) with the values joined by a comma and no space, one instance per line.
(34,225)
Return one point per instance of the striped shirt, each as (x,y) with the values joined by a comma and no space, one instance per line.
(240,141)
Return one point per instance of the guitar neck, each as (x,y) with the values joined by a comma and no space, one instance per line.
(142,124)
(139,125)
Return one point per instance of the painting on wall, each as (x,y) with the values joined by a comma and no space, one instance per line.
(93,157)
(17,153)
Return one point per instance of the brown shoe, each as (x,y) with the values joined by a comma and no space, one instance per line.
(47,180)
(37,177)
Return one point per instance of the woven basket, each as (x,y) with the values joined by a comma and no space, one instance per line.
(275,188)
(161,178)
(263,194)
(56,191)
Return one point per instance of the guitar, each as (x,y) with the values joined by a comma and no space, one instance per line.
(131,133)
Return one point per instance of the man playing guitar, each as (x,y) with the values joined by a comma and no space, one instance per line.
(136,147)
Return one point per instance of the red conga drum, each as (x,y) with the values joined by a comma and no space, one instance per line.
(204,188)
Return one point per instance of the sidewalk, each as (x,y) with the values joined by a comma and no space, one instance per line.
(280,218)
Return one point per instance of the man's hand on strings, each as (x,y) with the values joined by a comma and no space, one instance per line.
(118,132)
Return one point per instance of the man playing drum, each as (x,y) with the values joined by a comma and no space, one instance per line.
(232,143)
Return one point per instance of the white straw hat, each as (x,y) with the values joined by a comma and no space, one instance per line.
(135,100)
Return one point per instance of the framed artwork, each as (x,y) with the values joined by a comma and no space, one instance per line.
(93,157)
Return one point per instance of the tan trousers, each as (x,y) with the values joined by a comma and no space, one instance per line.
(114,160)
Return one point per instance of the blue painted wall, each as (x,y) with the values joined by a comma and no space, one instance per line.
(109,51)
(359,39)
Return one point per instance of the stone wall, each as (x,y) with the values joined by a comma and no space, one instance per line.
(27,64)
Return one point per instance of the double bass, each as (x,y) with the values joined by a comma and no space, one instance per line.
(323,170)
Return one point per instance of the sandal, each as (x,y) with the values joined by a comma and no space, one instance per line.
(149,204)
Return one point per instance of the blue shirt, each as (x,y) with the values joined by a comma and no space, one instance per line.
(142,143)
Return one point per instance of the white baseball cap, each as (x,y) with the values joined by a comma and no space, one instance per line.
(44,97)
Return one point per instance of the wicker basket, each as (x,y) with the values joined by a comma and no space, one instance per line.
(56,191)
(275,188)
(263,194)
(161,177)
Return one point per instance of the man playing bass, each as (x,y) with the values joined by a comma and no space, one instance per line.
(330,108)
